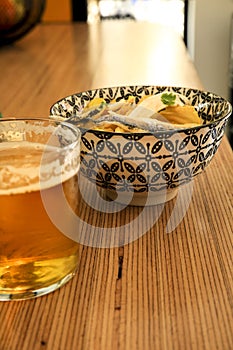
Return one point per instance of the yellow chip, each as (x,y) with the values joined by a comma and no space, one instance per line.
(181,115)
(131,99)
(96,102)
(118,129)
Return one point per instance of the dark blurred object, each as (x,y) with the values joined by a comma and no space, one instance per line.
(17,17)
(118,16)
(80,10)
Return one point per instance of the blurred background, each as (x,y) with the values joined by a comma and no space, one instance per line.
(206,27)
(204,24)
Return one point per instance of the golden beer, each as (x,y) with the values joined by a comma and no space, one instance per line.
(35,256)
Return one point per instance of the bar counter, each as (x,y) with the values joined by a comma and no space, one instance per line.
(165,290)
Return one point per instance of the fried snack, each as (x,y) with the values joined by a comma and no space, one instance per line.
(181,115)
(95,103)
(150,114)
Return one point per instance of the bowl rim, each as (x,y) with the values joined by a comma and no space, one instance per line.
(157,132)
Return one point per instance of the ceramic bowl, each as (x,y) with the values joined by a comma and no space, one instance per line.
(146,168)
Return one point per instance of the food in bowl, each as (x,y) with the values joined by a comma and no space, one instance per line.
(150,165)
(150,114)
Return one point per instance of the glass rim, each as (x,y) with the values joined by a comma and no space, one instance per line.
(75,129)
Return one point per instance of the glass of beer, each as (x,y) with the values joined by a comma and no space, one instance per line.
(38,157)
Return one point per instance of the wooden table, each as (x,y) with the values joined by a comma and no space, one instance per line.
(163,290)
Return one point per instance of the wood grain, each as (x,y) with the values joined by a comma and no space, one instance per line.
(163,290)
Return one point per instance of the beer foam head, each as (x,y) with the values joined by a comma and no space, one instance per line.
(27,166)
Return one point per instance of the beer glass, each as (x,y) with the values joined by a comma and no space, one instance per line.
(36,157)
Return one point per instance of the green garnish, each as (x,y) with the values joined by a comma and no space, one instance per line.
(168,99)
(102,104)
(1,116)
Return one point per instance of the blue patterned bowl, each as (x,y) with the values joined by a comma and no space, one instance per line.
(145,168)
